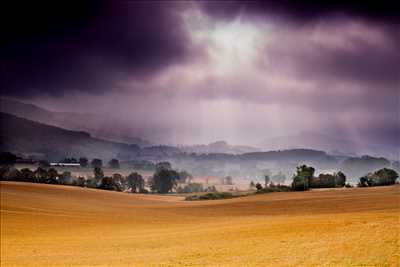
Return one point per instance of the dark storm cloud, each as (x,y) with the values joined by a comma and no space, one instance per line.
(305,10)
(86,46)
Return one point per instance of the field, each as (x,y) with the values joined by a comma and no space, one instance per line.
(48,225)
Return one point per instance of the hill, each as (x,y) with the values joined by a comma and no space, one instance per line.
(69,226)
(90,123)
(26,137)
(332,144)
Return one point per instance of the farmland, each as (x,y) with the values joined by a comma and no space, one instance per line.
(50,225)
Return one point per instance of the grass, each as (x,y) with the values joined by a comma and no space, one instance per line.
(49,225)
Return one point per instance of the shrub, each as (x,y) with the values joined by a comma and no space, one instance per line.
(211,196)
(275,188)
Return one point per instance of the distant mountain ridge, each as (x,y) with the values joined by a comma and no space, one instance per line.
(218,147)
(69,120)
(30,138)
(332,144)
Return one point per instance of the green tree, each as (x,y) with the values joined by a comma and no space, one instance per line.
(302,178)
(41,175)
(12,174)
(163,165)
(135,182)
(381,177)
(27,175)
(65,178)
(98,174)
(52,176)
(340,179)
(119,181)
(164,180)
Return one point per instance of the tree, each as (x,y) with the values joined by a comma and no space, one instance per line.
(7,159)
(163,165)
(114,163)
(52,176)
(340,179)
(27,175)
(106,183)
(3,171)
(84,162)
(80,181)
(259,186)
(119,182)
(41,175)
(383,176)
(164,180)
(135,182)
(65,178)
(12,174)
(96,163)
(302,178)
(98,174)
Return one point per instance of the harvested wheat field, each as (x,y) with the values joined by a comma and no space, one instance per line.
(48,225)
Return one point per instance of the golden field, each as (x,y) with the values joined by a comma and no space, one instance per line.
(48,225)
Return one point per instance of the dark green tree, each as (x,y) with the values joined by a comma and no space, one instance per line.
(135,182)
(302,178)
(163,165)
(98,174)
(52,176)
(41,175)
(65,178)
(164,180)
(27,175)
(12,174)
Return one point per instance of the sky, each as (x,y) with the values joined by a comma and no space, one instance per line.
(196,72)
